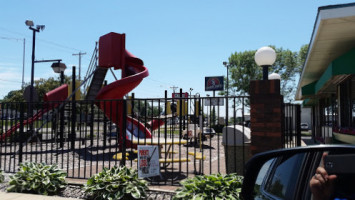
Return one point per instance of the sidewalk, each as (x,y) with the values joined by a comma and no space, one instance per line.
(22,196)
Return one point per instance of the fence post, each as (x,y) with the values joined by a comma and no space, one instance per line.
(61,126)
(21,135)
(73,117)
(92,123)
(298,124)
(105,122)
(123,131)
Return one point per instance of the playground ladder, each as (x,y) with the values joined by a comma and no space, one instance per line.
(96,83)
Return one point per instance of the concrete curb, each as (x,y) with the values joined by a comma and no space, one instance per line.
(21,196)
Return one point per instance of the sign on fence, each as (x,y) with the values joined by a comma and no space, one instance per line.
(148,161)
(183,95)
(214,101)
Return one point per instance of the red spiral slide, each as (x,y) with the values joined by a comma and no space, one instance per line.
(112,53)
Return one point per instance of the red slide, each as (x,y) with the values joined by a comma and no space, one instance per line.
(112,53)
(58,94)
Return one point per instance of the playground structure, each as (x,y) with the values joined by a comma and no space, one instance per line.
(112,53)
(113,105)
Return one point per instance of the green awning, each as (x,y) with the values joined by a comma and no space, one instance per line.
(309,89)
(309,103)
(338,70)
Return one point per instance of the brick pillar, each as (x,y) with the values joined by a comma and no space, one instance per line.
(265,115)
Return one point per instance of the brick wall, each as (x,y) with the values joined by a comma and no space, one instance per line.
(265,115)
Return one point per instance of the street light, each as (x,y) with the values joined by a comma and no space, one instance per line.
(227,66)
(227,94)
(265,57)
(59,67)
(190,99)
(38,28)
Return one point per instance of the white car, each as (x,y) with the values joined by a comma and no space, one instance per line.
(304,126)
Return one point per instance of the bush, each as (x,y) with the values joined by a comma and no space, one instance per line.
(116,183)
(210,187)
(2,177)
(37,178)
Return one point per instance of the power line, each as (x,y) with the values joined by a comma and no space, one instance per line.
(9,38)
(58,45)
(41,40)
(10,81)
(23,56)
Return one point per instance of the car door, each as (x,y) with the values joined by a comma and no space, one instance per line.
(283,176)
(286,174)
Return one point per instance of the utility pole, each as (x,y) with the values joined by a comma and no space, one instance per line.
(79,54)
(23,57)
(23,63)
(174,88)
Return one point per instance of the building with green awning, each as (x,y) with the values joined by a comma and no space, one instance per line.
(327,82)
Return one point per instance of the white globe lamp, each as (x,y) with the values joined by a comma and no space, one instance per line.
(265,57)
(274,76)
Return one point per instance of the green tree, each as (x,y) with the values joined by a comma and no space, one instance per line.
(42,86)
(144,109)
(243,69)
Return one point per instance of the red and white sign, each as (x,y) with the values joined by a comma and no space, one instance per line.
(148,161)
(183,95)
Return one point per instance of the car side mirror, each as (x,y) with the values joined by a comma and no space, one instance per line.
(286,173)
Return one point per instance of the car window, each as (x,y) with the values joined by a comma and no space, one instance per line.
(284,175)
(262,174)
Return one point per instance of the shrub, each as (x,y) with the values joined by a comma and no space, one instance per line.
(2,177)
(210,187)
(37,178)
(116,183)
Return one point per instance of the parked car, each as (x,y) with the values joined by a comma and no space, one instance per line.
(208,132)
(304,126)
(193,131)
(286,174)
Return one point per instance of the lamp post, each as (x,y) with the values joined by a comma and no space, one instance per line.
(227,66)
(190,99)
(59,67)
(38,28)
(265,57)
(227,94)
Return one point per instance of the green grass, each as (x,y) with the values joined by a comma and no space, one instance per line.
(306,133)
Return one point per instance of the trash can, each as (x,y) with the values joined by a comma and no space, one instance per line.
(234,147)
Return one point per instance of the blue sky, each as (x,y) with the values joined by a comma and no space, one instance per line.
(180,42)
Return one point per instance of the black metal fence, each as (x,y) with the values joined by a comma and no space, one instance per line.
(292,125)
(82,137)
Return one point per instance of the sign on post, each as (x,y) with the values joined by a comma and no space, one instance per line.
(214,83)
(148,161)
